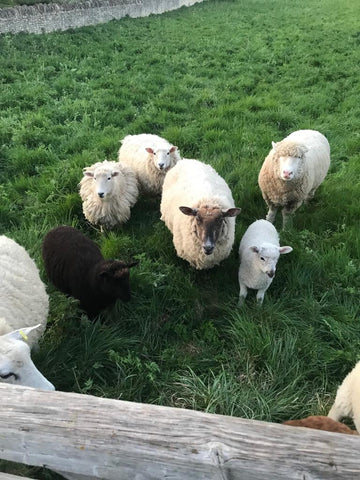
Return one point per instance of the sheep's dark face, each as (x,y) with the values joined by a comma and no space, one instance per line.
(114,279)
(209,224)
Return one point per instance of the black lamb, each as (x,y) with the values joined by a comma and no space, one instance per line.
(75,265)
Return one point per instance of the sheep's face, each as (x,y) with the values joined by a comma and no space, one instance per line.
(289,167)
(114,279)
(103,180)
(266,257)
(163,158)
(210,224)
(16,366)
(289,159)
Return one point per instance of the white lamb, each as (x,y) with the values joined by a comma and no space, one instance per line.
(347,401)
(198,208)
(259,252)
(151,157)
(292,172)
(108,191)
(24,306)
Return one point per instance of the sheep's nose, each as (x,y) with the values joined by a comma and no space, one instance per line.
(287,174)
(101,194)
(161,166)
(208,249)
(271,273)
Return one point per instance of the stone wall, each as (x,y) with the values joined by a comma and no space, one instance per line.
(42,18)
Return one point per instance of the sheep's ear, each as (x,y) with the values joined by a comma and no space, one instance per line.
(255,249)
(231,212)
(88,174)
(132,264)
(114,174)
(149,150)
(285,249)
(21,333)
(188,211)
(173,149)
(273,144)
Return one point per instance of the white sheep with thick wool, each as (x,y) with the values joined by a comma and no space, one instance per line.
(198,208)
(347,400)
(108,191)
(259,252)
(24,306)
(292,171)
(151,157)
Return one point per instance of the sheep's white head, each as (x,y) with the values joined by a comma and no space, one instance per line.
(103,178)
(164,158)
(16,366)
(290,157)
(209,224)
(266,257)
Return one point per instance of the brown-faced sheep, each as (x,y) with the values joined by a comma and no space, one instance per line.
(75,265)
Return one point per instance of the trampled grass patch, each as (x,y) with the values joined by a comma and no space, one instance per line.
(221,80)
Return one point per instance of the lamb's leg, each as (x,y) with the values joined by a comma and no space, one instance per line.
(242,294)
(260,296)
(270,217)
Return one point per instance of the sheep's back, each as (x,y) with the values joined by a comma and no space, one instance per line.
(23,298)
(260,231)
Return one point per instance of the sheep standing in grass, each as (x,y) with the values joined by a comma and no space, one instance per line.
(24,307)
(259,252)
(108,191)
(151,157)
(75,265)
(198,208)
(347,401)
(292,172)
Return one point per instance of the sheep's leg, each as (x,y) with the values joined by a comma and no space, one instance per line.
(288,212)
(310,195)
(336,412)
(242,294)
(270,217)
(260,296)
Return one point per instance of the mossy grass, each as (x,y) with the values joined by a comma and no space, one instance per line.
(221,80)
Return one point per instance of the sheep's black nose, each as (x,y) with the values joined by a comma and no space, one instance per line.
(161,166)
(208,249)
(101,195)
(271,273)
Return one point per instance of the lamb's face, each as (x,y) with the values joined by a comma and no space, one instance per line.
(103,181)
(265,257)
(16,366)
(289,167)
(163,158)
(114,279)
(210,224)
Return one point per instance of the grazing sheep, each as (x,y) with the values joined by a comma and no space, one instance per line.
(292,171)
(259,252)
(108,191)
(198,208)
(151,157)
(321,422)
(347,401)
(23,304)
(75,265)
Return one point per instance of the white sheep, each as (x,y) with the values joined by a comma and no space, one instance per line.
(259,252)
(292,172)
(108,191)
(347,401)
(151,157)
(24,307)
(198,208)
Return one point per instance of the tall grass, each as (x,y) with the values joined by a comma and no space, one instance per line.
(221,80)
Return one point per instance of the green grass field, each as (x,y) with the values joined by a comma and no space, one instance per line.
(221,80)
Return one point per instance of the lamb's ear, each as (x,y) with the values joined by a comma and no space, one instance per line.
(285,249)
(173,149)
(114,174)
(273,144)
(131,264)
(149,150)
(21,333)
(255,249)
(188,211)
(88,173)
(231,212)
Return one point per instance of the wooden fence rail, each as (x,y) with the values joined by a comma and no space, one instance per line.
(86,437)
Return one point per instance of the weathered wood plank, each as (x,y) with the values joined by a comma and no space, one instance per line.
(9,476)
(113,440)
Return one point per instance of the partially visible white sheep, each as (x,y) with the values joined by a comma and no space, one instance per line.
(151,157)
(198,208)
(347,401)
(259,252)
(292,172)
(23,304)
(108,191)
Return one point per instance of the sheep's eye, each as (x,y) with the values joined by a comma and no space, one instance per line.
(10,374)
(262,259)
(168,153)
(109,178)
